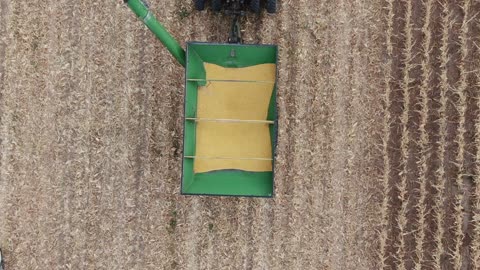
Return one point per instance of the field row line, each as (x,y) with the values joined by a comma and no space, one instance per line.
(402,218)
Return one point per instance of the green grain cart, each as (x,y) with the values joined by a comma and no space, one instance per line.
(230,119)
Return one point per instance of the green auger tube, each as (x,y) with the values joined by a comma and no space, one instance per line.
(141,9)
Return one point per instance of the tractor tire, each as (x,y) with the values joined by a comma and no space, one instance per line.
(199,4)
(271,6)
(217,5)
(255,6)
(2,263)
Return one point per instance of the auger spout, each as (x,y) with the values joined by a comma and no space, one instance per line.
(140,8)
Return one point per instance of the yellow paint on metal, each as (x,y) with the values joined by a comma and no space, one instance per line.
(243,94)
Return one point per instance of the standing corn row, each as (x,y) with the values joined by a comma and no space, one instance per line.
(460,139)
(405,141)
(440,185)
(475,247)
(424,136)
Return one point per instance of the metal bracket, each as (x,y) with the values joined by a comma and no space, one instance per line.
(235,33)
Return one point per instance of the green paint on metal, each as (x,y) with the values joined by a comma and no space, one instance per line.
(142,11)
(232,55)
(232,182)
(224,182)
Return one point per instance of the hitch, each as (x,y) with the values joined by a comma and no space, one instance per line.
(235,32)
(236,9)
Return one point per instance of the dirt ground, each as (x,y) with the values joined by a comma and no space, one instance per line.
(377,165)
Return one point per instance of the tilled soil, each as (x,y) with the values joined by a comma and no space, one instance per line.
(377,163)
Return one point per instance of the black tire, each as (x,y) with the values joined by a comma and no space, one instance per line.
(271,6)
(255,6)
(199,4)
(2,265)
(216,5)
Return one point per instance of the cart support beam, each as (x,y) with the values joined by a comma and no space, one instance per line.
(141,9)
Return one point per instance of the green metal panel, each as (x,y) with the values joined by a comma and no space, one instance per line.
(224,182)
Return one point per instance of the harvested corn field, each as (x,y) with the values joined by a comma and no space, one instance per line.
(377,162)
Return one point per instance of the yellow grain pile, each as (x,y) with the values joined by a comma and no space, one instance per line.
(233,94)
